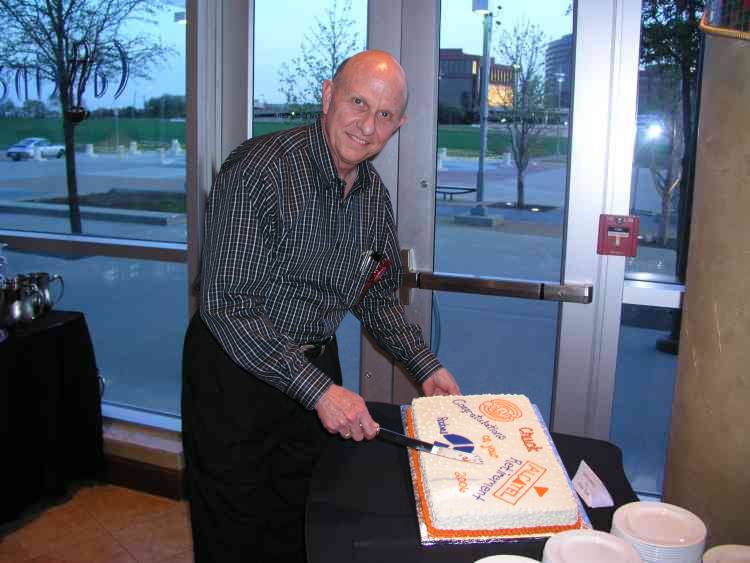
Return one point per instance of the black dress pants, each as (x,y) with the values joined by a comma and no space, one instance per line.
(249,454)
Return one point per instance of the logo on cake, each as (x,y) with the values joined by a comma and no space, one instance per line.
(455,441)
(501,410)
(521,482)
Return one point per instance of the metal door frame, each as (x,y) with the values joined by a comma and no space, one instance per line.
(603,136)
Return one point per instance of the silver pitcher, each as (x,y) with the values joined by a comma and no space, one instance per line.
(20,301)
(43,281)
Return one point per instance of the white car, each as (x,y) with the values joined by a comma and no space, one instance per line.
(25,149)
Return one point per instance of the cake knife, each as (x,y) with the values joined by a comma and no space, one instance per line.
(402,440)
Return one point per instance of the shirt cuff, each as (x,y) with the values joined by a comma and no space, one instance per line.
(423,364)
(308,386)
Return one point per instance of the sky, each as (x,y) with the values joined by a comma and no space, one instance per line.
(460,28)
(278,37)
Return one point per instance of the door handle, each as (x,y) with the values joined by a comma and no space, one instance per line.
(489,285)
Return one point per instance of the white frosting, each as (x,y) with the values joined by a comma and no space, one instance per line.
(521,483)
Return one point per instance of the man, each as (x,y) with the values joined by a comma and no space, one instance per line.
(299,230)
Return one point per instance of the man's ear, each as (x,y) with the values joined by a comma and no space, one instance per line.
(403,120)
(327,95)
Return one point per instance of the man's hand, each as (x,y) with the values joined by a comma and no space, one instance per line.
(441,382)
(345,413)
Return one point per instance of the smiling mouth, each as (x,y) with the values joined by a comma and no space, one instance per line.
(357,139)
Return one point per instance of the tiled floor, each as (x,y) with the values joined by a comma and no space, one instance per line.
(101,524)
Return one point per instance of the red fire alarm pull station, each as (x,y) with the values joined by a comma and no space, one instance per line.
(618,235)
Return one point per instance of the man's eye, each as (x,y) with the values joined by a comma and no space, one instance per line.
(385,114)
(357,101)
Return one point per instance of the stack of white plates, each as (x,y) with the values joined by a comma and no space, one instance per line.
(505,559)
(661,532)
(729,553)
(588,546)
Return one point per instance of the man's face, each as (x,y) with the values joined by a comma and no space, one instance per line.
(362,110)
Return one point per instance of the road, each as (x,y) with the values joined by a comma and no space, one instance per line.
(545,178)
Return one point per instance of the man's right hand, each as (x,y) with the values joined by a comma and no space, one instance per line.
(345,413)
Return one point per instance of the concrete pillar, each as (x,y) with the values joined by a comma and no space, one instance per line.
(708,459)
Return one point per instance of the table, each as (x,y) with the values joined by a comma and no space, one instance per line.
(50,411)
(361,505)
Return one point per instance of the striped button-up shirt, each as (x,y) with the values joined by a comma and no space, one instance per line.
(285,257)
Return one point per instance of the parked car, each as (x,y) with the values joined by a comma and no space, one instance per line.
(25,148)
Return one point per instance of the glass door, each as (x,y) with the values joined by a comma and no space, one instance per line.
(504,85)
(504,180)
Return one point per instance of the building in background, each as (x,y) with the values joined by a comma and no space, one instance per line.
(558,73)
(459,92)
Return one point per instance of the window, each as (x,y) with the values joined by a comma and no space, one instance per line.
(116,143)
(660,195)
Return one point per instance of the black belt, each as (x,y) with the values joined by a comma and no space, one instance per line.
(315,349)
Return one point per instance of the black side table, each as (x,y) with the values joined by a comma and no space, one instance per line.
(50,411)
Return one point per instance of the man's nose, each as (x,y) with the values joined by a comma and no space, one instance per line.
(367,123)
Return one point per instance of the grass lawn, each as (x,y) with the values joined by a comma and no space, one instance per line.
(105,133)
(167,202)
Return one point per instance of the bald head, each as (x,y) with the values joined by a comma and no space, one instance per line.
(375,63)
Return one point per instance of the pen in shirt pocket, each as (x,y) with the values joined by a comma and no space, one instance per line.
(367,256)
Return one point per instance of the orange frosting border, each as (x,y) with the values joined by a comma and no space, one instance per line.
(498,532)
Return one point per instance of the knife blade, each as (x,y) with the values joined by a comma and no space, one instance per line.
(403,440)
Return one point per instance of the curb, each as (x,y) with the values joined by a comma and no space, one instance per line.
(93,213)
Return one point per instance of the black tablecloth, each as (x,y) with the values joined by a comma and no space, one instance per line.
(50,412)
(361,506)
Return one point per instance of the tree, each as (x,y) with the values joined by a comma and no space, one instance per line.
(165,106)
(78,45)
(7,108)
(324,47)
(34,109)
(662,150)
(670,45)
(523,49)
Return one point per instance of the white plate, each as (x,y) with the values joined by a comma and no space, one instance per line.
(659,524)
(729,553)
(505,559)
(588,546)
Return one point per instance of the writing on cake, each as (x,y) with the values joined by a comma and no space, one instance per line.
(466,409)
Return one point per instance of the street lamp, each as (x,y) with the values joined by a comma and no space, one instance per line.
(560,80)
(481,7)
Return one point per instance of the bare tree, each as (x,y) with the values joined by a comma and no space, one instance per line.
(670,45)
(523,49)
(324,47)
(661,145)
(78,45)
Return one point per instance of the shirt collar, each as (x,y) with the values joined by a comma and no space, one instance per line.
(323,161)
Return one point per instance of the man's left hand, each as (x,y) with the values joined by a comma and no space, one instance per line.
(441,382)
